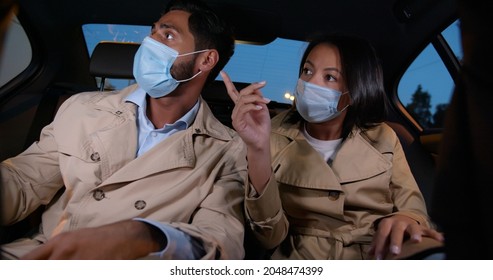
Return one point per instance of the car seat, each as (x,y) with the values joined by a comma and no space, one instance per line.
(113,60)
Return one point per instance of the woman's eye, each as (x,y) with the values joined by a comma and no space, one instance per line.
(306,71)
(330,78)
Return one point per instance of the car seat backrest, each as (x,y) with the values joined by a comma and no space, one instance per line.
(113,60)
(420,161)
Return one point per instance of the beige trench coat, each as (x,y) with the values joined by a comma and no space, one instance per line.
(194,180)
(314,210)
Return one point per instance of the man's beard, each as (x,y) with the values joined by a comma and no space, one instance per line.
(183,70)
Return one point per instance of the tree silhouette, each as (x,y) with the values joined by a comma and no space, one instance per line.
(439,115)
(420,106)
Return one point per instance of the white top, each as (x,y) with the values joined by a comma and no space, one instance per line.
(326,148)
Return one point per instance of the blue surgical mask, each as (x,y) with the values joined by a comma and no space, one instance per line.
(152,68)
(317,104)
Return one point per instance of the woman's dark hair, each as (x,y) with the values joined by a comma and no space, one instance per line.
(209,31)
(364,78)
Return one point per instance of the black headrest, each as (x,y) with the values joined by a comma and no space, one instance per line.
(113,60)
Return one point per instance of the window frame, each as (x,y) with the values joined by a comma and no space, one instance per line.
(450,61)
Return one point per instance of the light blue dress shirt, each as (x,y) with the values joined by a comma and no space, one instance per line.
(149,136)
(180,245)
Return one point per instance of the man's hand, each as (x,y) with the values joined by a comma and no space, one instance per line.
(391,232)
(121,240)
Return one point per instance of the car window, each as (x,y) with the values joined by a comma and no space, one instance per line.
(276,62)
(16,53)
(426,87)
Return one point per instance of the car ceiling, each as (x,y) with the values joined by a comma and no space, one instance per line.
(398,29)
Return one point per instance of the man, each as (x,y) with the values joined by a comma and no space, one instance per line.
(144,173)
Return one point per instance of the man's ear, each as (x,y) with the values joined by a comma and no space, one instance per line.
(208,60)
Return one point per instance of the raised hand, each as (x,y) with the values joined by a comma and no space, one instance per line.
(251,119)
(250,115)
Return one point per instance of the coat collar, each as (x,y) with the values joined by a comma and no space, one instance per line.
(357,159)
(205,122)
(175,152)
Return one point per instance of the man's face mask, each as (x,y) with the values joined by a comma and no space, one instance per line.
(152,68)
(317,104)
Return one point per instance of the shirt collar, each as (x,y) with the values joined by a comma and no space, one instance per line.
(138,97)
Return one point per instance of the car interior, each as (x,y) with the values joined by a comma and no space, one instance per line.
(59,64)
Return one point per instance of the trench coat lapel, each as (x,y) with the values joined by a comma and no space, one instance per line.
(357,159)
(177,151)
(174,152)
(308,161)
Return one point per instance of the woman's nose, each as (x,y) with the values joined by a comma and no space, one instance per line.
(314,79)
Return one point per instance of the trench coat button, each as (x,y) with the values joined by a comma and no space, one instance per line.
(140,204)
(118,112)
(333,195)
(98,195)
(197,130)
(95,156)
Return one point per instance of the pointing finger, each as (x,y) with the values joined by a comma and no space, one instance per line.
(232,92)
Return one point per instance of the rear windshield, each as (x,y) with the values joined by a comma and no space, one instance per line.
(276,63)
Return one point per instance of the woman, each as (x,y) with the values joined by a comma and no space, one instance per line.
(329,179)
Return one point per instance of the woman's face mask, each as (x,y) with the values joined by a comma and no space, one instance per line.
(317,104)
(152,68)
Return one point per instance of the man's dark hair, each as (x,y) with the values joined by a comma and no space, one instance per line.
(209,31)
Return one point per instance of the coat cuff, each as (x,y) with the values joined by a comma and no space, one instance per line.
(418,218)
(263,210)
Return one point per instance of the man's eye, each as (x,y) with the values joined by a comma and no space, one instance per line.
(169,36)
